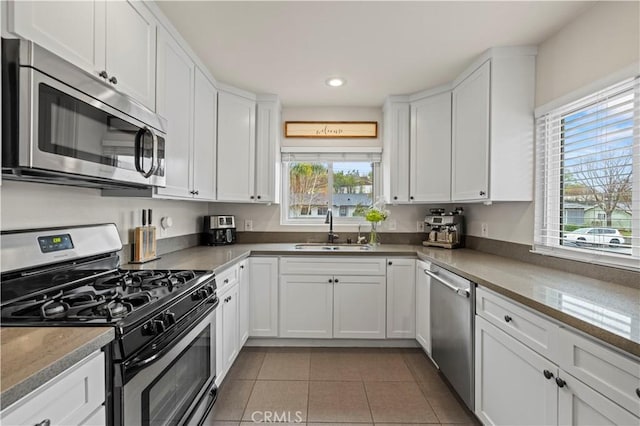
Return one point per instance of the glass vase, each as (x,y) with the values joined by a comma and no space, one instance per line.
(373,236)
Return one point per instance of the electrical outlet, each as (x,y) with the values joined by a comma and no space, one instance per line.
(420,226)
(392,225)
(248,225)
(484,229)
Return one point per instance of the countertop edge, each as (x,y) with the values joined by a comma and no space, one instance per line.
(39,378)
(616,342)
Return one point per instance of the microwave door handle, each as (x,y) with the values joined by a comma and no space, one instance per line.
(139,148)
(155,163)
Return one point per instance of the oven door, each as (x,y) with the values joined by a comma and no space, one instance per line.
(175,384)
(73,133)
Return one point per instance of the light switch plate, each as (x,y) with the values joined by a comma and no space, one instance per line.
(420,226)
(248,225)
(484,229)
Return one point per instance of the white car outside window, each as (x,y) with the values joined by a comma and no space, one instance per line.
(595,236)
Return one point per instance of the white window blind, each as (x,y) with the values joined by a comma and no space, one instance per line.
(588,178)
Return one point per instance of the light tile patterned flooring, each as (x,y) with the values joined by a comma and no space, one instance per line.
(336,385)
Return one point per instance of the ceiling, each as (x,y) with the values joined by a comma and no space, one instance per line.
(380,48)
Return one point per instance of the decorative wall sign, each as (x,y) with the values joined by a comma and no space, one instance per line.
(331,129)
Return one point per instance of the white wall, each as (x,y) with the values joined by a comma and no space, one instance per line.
(32,205)
(599,42)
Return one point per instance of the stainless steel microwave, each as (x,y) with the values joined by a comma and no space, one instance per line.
(63,125)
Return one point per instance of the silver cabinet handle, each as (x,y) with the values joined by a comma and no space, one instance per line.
(460,291)
(45,422)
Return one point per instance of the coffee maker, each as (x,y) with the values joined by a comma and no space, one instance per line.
(219,230)
(444,229)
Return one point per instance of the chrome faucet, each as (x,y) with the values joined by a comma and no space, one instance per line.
(329,219)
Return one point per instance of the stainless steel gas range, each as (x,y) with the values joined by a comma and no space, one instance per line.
(161,366)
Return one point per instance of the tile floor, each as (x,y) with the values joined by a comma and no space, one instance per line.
(336,385)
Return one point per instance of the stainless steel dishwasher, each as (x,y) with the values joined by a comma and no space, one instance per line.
(452,318)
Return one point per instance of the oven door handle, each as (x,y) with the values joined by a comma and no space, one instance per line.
(132,369)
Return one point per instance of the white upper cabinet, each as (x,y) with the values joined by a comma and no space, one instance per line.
(175,103)
(268,124)
(115,40)
(395,152)
(236,147)
(131,50)
(74,31)
(470,150)
(430,168)
(204,140)
(492,137)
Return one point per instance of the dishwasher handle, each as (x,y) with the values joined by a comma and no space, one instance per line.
(459,291)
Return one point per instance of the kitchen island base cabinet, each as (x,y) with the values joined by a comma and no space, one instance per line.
(306,306)
(75,397)
(263,297)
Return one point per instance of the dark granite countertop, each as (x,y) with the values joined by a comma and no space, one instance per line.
(549,291)
(31,356)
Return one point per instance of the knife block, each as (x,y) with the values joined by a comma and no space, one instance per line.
(144,244)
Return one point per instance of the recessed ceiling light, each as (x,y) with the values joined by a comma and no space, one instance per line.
(335,81)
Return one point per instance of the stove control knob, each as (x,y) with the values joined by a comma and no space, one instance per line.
(197,295)
(159,326)
(203,293)
(169,318)
(149,329)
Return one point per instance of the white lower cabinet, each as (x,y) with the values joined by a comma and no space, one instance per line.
(243,295)
(263,297)
(227,341)
(75,397)
(423,304)
(401,296)
(577,382)
(306,306)
(579,404)
(511,388)
(329,297)
(359,307)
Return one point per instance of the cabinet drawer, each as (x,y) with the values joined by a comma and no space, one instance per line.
(531,329)
(227,277)
(330,265)
(68,399)
(611,373)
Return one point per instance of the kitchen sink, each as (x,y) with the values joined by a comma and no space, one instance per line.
(332,247)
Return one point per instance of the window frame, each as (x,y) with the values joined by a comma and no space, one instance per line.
(549,195)
(338,220)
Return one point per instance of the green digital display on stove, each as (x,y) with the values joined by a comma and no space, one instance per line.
(52,243)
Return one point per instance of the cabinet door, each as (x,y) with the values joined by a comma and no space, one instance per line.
(175,101)
(423,301)
(263,297)
(72,30)
(243,294)
(236,148)
(470,138)
(510,385)
(359,307)
(229,304)
(430,172)
(267,152)
(395,164)
(401,298)
(580,404)
(67,399)
(131,49)
(306,306)
(204,138)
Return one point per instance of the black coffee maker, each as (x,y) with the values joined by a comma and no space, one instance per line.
(219,230)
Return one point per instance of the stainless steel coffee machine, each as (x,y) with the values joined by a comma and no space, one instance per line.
(444,229)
